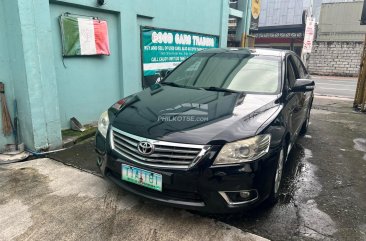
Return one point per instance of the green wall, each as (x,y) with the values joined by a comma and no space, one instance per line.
(86,84)
(49,94)
(5,73)
(100,81)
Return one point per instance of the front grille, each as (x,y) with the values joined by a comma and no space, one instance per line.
(166,154)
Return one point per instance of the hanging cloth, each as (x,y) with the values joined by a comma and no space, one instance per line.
(84,36)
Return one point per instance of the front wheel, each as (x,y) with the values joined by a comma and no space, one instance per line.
(305,126)
(277,181)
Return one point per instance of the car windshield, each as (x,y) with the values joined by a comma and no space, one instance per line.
(237,72)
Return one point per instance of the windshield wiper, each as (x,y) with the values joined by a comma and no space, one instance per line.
(179,86)
(213,88)
(172,84)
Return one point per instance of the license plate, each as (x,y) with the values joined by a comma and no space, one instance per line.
(142,177)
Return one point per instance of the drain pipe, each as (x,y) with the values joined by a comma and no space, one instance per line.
(40,154)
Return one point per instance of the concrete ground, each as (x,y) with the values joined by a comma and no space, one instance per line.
(43,199)
(323,197)
(335,86)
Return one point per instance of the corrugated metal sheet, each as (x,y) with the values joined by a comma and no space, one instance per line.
(341,22)
(282,12)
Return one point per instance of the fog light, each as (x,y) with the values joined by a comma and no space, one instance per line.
(244,194)
(99,161)
(240,197)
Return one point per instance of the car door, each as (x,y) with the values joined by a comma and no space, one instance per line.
(306,96)
(293,100)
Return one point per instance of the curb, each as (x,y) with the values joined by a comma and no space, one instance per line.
(73,141)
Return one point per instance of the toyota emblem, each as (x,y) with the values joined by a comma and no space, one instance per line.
(145,148)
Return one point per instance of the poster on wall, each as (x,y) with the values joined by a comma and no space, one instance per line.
(256,10)
(163,50)
(84,36)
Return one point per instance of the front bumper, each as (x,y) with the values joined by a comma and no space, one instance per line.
(203,187)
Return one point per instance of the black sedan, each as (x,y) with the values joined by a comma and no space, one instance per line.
(214,134)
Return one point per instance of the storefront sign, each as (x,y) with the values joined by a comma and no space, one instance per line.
(309,35)
(164,49)
(256,9)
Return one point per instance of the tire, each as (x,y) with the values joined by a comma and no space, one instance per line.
(277,179)
(305,125)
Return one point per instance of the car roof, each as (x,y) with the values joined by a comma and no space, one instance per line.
(251,51)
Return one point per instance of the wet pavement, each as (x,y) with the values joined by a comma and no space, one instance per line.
(296,216)
(80,156)
(324,191)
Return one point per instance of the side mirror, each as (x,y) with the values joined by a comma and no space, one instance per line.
(162,74)
(303,85)
(158,80)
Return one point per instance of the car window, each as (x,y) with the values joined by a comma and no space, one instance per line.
(238,72)
(300,67)
(291,74)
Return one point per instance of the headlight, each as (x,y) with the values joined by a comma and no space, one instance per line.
(244,151)
(103,124)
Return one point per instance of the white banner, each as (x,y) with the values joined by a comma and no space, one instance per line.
(309,35)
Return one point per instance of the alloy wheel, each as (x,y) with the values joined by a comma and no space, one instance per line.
(279,171)
(307,118)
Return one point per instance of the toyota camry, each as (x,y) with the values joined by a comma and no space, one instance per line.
(214,134)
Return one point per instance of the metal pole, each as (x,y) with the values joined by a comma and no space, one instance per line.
(245,18)
(360,96)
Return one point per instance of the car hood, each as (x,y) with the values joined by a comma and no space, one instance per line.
(194,116)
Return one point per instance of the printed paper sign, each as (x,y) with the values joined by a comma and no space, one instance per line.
(309,35)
